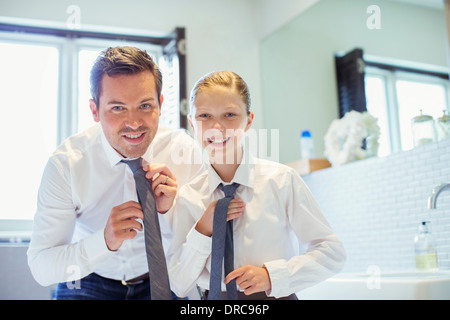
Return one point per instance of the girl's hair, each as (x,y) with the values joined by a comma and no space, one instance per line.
(226,79)
(122,60)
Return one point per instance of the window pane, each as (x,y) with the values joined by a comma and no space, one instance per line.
(376,106)
(415,96)
(86,59)
(170,111)
(28,97)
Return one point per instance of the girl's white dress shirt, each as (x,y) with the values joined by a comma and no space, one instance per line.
(280,216)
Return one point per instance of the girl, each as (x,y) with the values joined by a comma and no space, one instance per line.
(272,212)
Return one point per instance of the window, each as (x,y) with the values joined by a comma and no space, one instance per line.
(29,92)
(86,58)
(416,96)
(44,93)
(395,97)
(377,106)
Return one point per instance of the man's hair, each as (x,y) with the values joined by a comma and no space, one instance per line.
(226,79)
(119,61)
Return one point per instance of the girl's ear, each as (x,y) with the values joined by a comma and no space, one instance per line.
(249,121)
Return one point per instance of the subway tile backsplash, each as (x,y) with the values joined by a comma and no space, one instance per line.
(376,205)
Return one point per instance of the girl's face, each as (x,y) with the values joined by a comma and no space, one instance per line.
(219,121)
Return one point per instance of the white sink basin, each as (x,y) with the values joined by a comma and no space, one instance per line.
(408,285)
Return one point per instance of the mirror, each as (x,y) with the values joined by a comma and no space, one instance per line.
(299,88)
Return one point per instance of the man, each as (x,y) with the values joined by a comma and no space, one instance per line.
(87,234)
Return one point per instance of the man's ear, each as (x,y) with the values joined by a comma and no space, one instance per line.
(161,100)
(94,110)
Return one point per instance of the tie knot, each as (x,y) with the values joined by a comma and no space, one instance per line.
(229,190)
(134,165)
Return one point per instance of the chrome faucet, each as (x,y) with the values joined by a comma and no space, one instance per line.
(435,193)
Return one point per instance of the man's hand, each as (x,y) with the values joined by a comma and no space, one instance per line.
(205,224)
(164,185)
(122,224)
(251,279)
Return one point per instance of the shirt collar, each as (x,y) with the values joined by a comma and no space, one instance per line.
(245,174)
(112,155)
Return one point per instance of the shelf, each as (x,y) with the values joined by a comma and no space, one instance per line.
(304,167)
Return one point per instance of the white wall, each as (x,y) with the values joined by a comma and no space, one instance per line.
(375,206)
(274,14)
(16,280)
(447,20)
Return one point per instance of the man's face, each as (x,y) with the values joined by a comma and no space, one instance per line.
(129,112)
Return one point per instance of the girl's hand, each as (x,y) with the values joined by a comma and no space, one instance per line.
(251,279)
(205,224)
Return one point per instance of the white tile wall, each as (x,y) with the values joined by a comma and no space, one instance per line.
(376,205)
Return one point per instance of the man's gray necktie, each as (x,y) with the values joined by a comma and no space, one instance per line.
(159,279)
(222,247)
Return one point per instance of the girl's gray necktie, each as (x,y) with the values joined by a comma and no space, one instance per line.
(222,247)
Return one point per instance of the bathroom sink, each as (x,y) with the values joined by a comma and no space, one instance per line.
(408,285)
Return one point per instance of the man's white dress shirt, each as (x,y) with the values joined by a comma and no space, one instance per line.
(83,180)
(280,214)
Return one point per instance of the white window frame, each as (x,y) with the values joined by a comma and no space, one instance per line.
(390,78)
(18,231)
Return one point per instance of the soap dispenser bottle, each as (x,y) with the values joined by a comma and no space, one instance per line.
(426,256)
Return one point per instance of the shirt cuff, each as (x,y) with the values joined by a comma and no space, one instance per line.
(95,247)
(199,242)
(279,277)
